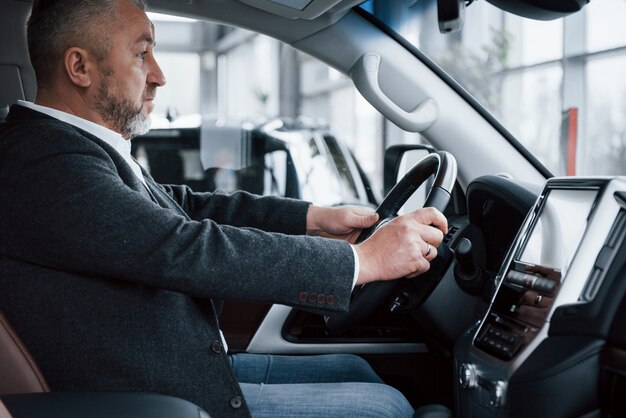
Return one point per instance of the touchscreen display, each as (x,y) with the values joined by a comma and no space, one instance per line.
(558,230)
(534,277)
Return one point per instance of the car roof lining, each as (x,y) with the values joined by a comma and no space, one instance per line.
(259,18)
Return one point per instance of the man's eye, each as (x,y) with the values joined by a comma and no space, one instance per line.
(142,55)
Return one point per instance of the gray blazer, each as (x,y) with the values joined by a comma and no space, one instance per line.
(111,287)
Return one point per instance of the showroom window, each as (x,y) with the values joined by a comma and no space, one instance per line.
(605,88)
(330,96)
(606,110)
(528,74)
(178,42)
(180,95)
(248,75)
(555,70)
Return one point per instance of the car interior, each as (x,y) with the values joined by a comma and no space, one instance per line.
(521,314)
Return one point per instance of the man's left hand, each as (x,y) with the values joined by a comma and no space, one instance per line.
(344,222)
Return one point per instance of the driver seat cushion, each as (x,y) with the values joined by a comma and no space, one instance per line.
(20,373)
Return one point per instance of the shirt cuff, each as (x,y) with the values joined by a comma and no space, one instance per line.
(357,266)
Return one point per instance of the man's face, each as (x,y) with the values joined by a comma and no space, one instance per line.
(129,75)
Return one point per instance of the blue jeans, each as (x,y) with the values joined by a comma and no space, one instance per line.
(335,385)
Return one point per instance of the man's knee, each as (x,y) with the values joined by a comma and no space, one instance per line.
(380,400)
(358,368)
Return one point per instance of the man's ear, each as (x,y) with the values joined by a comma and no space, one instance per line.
(78,66)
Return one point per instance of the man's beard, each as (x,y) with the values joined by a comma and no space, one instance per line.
(124,117)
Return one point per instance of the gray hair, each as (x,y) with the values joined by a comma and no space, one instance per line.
(55,26)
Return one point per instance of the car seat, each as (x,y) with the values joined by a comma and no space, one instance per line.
(17,81)
(24,392)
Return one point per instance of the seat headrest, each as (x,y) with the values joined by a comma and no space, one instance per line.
(17,77)
(12,88)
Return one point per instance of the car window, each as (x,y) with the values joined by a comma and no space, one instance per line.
(345,172)
(275,177)
(552,84)
(317,176)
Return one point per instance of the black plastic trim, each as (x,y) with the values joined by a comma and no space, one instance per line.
(605,257)
(559,380)
(595,317)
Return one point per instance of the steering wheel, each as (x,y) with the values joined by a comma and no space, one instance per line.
(367,297)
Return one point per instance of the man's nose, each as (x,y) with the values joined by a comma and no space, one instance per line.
(155,76)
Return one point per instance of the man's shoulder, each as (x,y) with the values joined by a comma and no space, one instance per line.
(30,130)
(34,129)
(39,143)
(25,121)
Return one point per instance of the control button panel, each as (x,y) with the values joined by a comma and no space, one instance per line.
(499,342)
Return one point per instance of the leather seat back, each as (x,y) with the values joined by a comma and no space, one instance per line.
(18,371)
(19,374)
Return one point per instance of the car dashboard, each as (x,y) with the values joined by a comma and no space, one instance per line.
(537,350)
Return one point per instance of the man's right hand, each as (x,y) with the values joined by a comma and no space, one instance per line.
(404,247)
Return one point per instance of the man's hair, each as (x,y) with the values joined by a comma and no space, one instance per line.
(55,26)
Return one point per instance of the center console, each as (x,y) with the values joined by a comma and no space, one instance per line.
(557,262)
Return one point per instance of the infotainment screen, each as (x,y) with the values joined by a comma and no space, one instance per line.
(534,277)
(559,228)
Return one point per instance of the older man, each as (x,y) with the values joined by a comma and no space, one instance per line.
(110,278)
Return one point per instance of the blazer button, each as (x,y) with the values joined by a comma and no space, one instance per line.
(216,347)
(236,402)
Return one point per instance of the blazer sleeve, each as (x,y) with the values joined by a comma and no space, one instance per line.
(76,214)
(243,209)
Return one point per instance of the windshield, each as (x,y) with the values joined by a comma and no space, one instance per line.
(558,86)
